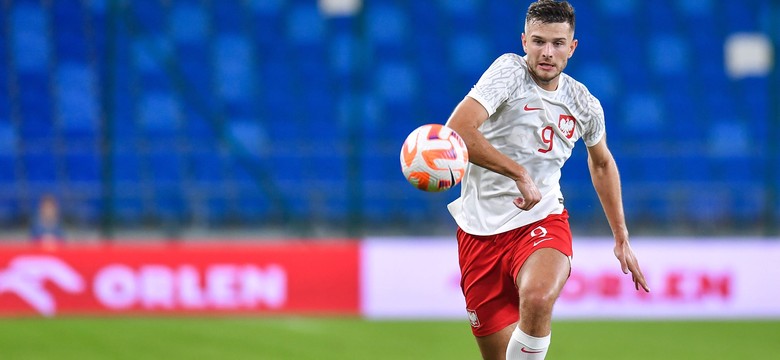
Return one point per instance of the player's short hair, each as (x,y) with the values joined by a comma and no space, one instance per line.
(550,11)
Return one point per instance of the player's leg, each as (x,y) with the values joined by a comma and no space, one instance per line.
(493,346)
(539,282)
(490,291)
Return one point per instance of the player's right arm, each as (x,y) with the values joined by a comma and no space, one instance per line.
(466,119)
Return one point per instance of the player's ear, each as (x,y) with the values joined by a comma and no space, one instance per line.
(572,47)
(522,41)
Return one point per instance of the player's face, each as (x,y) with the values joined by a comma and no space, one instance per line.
(549,47)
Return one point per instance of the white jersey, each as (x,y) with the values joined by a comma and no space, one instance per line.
(534,127)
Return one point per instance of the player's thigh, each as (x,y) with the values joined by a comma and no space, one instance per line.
(544,273)
(493,346)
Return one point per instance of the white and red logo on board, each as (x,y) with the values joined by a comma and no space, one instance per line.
(273,279)
(567,124)
(26,276)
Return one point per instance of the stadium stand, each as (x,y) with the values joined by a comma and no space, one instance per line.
(256,113)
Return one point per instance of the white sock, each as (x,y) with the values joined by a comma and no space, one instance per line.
(526,347)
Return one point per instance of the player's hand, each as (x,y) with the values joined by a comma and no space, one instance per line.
(629,263)
(531,195)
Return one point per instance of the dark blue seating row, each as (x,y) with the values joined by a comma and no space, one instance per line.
(228,112)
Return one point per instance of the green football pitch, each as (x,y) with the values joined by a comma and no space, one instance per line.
(353,338)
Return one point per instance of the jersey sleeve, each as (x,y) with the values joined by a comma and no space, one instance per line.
(596,124)
(498,82)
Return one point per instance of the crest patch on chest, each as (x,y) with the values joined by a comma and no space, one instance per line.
(567,124)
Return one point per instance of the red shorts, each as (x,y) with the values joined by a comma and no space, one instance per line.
(489,266)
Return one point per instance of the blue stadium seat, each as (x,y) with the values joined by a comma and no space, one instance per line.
(193,63)
(208,167)
(267,7)
(8,138)
(69,39)
(386,24)
(170,204)
(470,54)
(588,30)
(694,8)
(127,167)
(619,8)
(84,211)
(233,67)
(10,211)
(380,167)
(643,113)
(743,169)
(756,96)
(166,167)
(505,26)
(286,167)
(692,167)
(279,73)
(40,167)
(601,80)
(159,114)
(5,98)
(189,23)
(156,81)
(29,38)
(707,206)
(150,52)
(78,103)
(208,209)
(252,205)
(750,203)
(669,54)
(249,137)
(8,176)
(741,17)
(653,167)
(128,209)
(344,54)
(328,166)
(122,126)
(305,25)
(335,211)
(149,15)
(201,132)
(84,167)
(713,99)
(71,46)
(266,28)
(396,83)
(228,16)
(461,7)
(36,125)
(677,97)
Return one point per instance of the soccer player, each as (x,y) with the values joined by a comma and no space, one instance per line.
(520,123)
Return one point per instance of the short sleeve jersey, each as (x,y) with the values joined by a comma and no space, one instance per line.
(532,126)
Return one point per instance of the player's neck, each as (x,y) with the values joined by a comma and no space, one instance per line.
(549,85)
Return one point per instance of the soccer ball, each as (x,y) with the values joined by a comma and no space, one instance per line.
(434,158)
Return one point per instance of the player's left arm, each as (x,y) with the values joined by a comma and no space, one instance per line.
(606,181)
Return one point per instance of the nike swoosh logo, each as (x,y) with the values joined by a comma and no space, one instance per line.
(527,351)
(526,108)
(541,241)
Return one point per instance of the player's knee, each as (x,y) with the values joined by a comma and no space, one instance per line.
(537,300)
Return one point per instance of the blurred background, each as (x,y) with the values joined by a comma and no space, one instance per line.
(284,118)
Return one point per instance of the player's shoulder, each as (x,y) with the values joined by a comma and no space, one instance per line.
(575,88)
(579,94)
(510,60)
